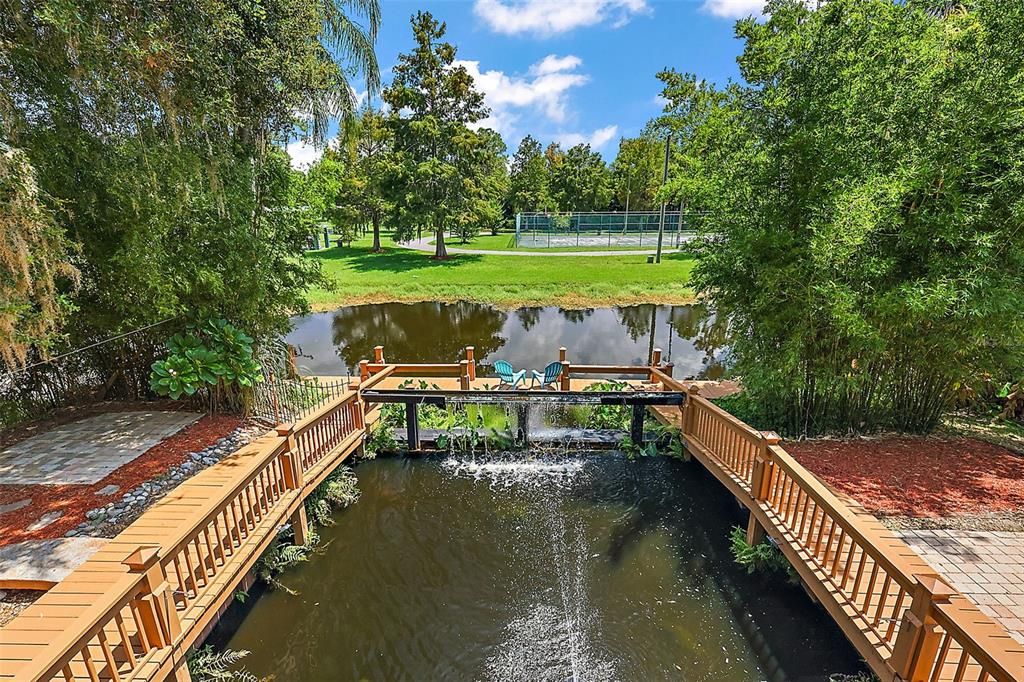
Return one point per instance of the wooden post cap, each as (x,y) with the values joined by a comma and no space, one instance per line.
(771,437)
(939,590)
(285,429)
(142,559)
(693,389)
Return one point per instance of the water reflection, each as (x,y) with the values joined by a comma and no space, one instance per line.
(335,342)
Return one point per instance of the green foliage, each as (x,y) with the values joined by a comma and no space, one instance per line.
(632,450)
(528,179)
(35,259)
(636,173)
(339,490)
(208,665)
(156,135)
(580,180)
(214,356)
(863,204)
(763,557)
(280,557)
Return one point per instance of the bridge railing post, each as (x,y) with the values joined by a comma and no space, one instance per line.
(464,377)
(690,408)
(294,479)
(917,643)
(566,366)
(760,483)
(471,362)
(158,617)
(562,354)
(378,355)
(364,370)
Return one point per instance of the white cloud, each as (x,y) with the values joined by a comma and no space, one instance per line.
(303,154)
(544,91)
(547,17)
(596,139)
(734,9)
(553,64)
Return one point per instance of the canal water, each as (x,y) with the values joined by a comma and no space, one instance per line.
(334,342)
(585,568)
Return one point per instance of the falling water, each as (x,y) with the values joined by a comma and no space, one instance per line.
(552,634)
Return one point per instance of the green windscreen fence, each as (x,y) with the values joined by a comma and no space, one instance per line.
(603,229)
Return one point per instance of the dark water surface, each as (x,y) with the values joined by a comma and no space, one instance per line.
(589,568)
(334,342)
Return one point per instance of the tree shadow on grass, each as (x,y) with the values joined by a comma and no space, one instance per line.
(392,260)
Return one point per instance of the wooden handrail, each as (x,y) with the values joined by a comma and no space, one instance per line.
(901,570)
(425,370)
(49,662)
(970,628)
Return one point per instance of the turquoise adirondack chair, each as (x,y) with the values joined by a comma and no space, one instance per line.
(548,377)
(508,375)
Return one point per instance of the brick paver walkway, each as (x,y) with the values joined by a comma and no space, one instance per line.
(986,566)
(87,450)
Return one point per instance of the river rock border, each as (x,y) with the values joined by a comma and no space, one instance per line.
(108,520)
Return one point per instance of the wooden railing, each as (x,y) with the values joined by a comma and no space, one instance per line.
(133,618)
(907,623)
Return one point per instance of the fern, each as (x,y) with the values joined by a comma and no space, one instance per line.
(338,491)
(208,665)
(763,557)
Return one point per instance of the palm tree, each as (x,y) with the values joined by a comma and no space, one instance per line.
(350,31)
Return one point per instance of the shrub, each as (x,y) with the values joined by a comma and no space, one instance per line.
(214,358)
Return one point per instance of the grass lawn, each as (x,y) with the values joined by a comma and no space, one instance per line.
(507,242)
(403,275)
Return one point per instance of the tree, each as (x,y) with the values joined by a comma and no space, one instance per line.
(366,150)
(865,203)
(438,176)
(636,173)
(35,260)
(156,135)
(580,180)
(528,178)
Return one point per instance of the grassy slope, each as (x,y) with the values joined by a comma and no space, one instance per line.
(506,281)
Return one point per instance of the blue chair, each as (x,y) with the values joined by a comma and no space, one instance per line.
(508,375)
(549,377)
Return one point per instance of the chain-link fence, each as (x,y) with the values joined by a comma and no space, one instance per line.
(595,230)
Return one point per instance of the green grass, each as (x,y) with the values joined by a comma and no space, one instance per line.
(403,275)
(507,242)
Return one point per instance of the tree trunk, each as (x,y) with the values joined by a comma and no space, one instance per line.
(376,234)
(440,251)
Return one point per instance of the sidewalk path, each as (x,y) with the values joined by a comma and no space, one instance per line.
(987,566)
(425,245)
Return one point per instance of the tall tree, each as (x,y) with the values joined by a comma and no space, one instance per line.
(436,179)
(155,130)
(528,178)
(865,203)
(580,180)
(636,173)
(366,147)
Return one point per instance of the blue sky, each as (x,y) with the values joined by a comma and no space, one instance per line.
(572,70)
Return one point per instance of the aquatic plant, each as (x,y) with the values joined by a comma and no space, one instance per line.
(764,557)
(339,490)
(208,665)
(281,556)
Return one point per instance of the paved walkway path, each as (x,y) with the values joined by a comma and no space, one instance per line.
(87,450)
(425,245)
(987,566)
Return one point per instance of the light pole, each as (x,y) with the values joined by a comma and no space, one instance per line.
(664,179)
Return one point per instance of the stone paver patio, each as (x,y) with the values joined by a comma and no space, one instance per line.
(986,566)
(39,564)
(87,450)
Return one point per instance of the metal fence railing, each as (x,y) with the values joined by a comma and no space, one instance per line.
(604,229)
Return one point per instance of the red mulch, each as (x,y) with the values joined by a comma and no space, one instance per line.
(922,477)
(76,499)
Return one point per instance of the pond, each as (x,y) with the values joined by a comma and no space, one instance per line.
(587,568)
(334,342)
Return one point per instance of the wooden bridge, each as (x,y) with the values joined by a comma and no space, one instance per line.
(137,606)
